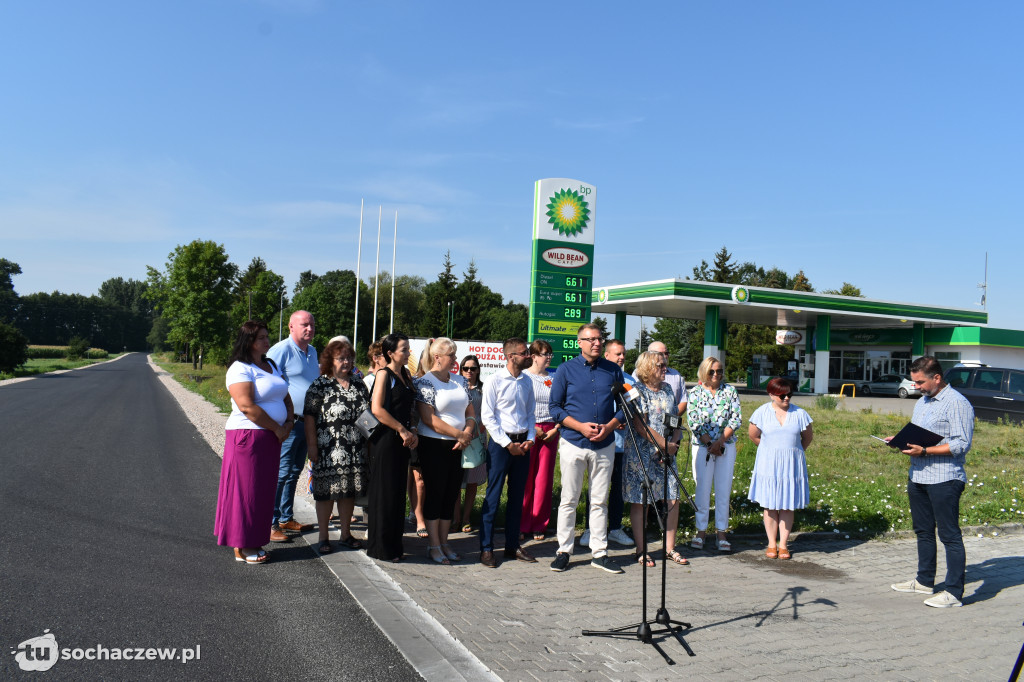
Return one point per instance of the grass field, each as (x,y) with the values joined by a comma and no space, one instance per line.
(44,365)
(858,486)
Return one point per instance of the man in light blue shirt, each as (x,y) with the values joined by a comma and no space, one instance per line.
(298,363)
(936,482)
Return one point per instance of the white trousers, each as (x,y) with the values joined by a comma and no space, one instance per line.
(715,473)
(575,462)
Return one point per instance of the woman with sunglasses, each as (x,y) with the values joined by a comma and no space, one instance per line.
(713,414)
(782,432)
(541,478)
(474,477)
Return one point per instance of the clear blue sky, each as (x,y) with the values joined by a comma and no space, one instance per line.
(877,143)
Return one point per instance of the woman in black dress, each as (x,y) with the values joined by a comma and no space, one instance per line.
(392,405)
(336,447)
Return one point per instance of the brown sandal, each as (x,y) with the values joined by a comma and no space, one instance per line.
(645,559)
(772,552)
(783,553)
(678,558)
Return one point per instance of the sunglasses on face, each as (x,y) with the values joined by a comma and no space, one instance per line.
(716,372)
(470,368)
(784,396)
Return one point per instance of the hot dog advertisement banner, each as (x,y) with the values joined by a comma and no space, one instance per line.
(563,263)
(488,352)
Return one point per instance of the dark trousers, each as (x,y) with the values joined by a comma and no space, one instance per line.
(501,465)
(937,506)
(615,503)
(441,468)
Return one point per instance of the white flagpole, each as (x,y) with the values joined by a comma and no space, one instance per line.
(376,279)
(394,252)
(359,258)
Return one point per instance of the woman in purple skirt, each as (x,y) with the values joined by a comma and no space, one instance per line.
(261,418)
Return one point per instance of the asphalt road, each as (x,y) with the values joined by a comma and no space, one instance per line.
(108,497)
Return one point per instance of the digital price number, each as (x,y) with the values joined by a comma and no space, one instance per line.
(577,282)
(574,313)
(570,344)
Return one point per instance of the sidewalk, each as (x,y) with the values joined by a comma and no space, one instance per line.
(828,613)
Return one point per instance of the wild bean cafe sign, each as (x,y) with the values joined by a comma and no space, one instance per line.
(790,337)
(563,263)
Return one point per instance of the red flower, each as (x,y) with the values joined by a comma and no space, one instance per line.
(547,382)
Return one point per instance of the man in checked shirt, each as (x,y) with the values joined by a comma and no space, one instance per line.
(937,479)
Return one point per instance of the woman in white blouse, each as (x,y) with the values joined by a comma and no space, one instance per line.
(447,425)
(541,478)
(260,420)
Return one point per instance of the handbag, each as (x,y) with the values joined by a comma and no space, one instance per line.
(474,454)
(367,423)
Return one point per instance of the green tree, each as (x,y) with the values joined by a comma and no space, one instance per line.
(409,302)
(801,283)
(437,295)
(511,319)
(602,323)
(846,290)
(8,297)
(473,300)
(330,298)
(13,348)
(723,270)
(258,294)
(129,294)
(193,293)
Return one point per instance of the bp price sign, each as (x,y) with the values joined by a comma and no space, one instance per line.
(563,263)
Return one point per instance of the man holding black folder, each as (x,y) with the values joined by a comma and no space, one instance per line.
(937,479)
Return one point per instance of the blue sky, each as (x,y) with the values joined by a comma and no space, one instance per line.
(875,143)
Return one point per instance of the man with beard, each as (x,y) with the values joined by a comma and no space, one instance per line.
(507,413)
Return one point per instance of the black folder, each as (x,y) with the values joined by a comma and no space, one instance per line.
(912,433)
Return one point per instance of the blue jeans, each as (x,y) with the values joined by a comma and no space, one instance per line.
(937,506)
(293,458)
(615,503)
(501,465)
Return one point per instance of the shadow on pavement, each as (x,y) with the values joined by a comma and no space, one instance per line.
(995,576)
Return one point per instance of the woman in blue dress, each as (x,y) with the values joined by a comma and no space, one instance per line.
(657,400)
(782,432)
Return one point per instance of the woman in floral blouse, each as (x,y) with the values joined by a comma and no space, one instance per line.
(713,413)
(337,449)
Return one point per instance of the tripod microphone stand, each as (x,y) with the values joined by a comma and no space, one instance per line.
(664,625)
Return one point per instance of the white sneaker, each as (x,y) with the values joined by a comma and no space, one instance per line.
(912,586)
(585,538)
(943,600)
(619,537)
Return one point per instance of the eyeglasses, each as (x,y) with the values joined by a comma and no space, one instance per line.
(714,372)
(543,355)
(784,396)
(661,365)
(590,339)
(470,368)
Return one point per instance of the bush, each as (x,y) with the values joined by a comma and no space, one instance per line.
(77,348)
(13,348)
(827,402)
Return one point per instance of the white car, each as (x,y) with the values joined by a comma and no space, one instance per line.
(888,384)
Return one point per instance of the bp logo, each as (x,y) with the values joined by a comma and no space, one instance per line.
(602,295)
(568,212)
(740,295)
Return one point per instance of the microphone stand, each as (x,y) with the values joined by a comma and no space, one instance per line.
(665,625)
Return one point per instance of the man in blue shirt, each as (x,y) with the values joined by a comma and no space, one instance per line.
(298,364)
(937,479)
(582,402)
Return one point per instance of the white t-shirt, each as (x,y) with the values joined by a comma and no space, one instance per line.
(448,398)
(269,390)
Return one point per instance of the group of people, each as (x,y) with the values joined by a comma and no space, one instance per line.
(457,432)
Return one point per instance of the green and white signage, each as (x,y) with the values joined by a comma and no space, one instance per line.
(563,263)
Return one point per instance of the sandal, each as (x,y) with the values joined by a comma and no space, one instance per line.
(538,537)
(645,559)
(450,553)
(678,558)
(441,558)
(772,552)
(467,528)
(352,542)
(325,547)
(422,532)
(260,557)
(724,545)
(697,542)
(783,553)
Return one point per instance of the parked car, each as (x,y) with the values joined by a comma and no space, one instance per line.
(995,392)
(889,384)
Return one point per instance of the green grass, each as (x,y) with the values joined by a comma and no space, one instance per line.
(44,365)
(858,486)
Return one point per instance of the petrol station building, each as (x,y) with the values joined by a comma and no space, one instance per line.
(836,338)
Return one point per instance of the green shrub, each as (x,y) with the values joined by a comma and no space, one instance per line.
(47,352)
(13,348)
(77,348)
(826,402)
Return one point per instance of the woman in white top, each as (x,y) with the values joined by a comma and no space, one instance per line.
(447,425)
(261,418)
(541,478)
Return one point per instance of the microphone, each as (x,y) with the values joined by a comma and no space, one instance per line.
(630,398)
